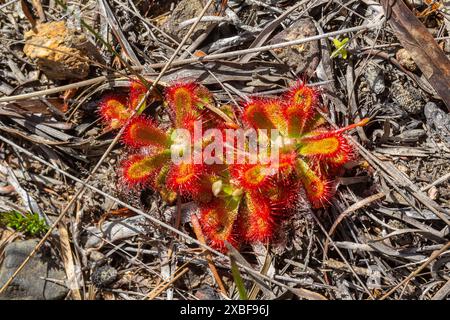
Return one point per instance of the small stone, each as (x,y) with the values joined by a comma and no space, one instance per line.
(207,293)
(61,53)
(30,284)
(103,276)
(305,57)
(185,10)
(375,78)
(405,60)
(403,169)
(433,193)
(407,97)
(438,119)
(96,256)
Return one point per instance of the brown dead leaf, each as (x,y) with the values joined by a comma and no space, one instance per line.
(412,34)
(69,264)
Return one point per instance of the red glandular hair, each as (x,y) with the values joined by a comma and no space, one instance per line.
(218,223)
(256,223)
(182,100)
(255,115)
(299,108)
(251,177)
(114,110)
(143,132)
(326,146)
(186,178)
(317,186)
(137,93)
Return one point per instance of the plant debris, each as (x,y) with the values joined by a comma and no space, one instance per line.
(89,89)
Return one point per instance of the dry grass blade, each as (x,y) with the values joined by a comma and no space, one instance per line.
(112,21)
(212,57)
(258,280)
(157,291)
(443,292)
(433,257)
(199,234)
(356,206)
(265,34)
(41,93)
(66,251)
(27,12)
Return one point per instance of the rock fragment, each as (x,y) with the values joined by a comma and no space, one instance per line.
(185,10)
(31,283)
(375,78)
(61,53)
(405,59)
(104,276)
(439,120)
(407,97)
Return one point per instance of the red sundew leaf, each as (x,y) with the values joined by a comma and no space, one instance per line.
(329,146)
(286,163)
(218,219)
(114,110)
(139,169)
(303,97)
(186,178)
(341,158)
(295,121)
(204,96)
(274,110)
(283,196)
(314,123)
(194,124)
(137,92)
(318,189)
(256,116)
(143,132)
(182,99)
(255,221)
(299,109)
(362,123)
(205,193)
(251,176)
(326,146)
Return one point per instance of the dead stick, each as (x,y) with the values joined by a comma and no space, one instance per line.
(416,272)
(268,47)
(153,294)
(199,234)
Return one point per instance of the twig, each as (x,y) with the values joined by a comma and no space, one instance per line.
(199,234)
(41,93)
(230,54)
(153,294)
(416,272)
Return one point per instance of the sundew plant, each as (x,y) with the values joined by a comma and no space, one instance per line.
(247,178)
